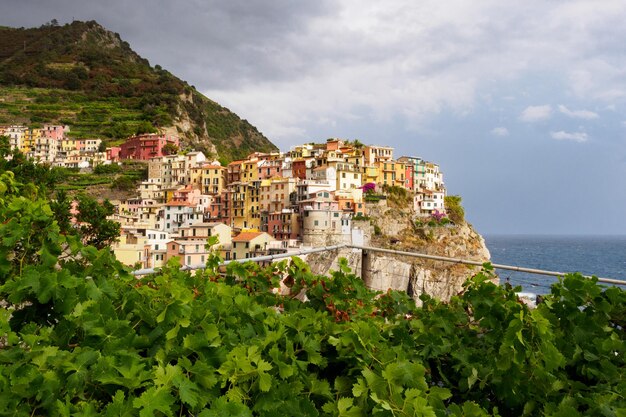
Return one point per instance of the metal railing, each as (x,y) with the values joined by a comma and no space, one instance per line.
(366,249)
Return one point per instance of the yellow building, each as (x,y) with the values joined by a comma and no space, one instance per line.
(355,158)
(68,145)
(213,179)
(250,244)
(391,173)
(253,205)
(250,170)
(370,174)
(239,212)
(399,174)
(29,140)
(129,250)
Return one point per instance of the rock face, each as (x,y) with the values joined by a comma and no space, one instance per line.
(397,230)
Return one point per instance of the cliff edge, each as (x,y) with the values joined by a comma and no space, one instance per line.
(400,229)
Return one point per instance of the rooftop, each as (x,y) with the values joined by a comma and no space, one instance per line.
(246,236)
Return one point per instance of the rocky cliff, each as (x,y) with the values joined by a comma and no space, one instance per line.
(397,229)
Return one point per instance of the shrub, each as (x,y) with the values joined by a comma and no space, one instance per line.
(455,210)
(123,183)
(107,169)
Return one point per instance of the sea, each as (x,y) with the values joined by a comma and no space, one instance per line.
(602,256)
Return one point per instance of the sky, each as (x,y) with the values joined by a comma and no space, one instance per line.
(522,104)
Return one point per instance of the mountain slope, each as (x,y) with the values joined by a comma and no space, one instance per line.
(82,75)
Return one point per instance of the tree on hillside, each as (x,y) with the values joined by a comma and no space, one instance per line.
(454,209)
(95,229)
(28,171)
(61,207)
(5,146)
(170,149)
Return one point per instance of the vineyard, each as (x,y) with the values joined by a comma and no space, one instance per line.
(81,336)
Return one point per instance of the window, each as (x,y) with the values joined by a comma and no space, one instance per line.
(247,245)
(316,223)
(189,260)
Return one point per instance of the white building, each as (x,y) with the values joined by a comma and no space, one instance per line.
(175,215)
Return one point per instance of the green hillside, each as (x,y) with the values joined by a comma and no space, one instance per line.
(84,76)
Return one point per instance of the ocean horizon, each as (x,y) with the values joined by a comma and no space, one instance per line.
(600,255)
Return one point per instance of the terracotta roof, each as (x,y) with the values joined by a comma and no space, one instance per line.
(246,236)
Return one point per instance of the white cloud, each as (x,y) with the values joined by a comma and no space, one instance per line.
(579,137)
(500,131)
(536,113)
(578,114)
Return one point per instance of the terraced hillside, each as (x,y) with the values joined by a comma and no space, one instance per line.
(82,75)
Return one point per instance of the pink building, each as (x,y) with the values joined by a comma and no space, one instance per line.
(54,132)
(270,168)
(409,174)
(113,153)
(146,146)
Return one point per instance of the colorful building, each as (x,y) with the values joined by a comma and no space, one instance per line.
(146,146)
(250,244)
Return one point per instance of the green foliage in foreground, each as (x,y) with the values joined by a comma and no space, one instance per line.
(84,337)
